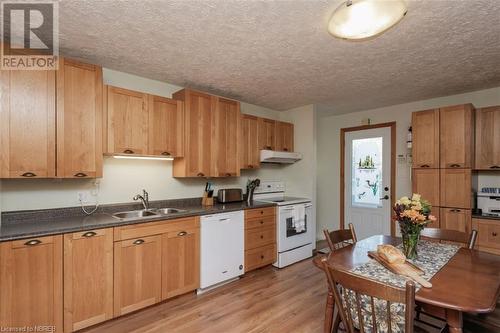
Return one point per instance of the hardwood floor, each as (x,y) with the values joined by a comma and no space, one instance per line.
(264,301)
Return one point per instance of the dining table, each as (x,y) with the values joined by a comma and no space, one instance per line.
(468,283)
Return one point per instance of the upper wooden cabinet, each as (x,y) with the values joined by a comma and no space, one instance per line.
(88,278)
(456,188)
(426,183)
(127,121)
(226,129)
(425,130)
(456,136)
(267,134)
(166,126)
(27,124)
(31,282)
(284,136)
(79,120)
(249,142)
(488,138)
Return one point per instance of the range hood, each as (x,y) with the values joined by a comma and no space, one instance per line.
(271,156)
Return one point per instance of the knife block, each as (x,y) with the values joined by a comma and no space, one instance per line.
(206,201)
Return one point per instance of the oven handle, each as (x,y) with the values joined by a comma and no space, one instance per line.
(308,206)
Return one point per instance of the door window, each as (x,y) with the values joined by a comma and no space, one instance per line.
(366,172)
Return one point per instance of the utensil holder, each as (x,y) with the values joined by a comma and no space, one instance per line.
(206,201)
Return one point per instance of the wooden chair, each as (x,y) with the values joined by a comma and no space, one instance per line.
(376,293)
(451,236)
(339,238)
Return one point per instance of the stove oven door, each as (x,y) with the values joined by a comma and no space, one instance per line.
(294,229)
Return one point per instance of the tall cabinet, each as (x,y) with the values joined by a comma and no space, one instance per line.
(443,145)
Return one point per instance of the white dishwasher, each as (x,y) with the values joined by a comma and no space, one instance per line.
(222,248)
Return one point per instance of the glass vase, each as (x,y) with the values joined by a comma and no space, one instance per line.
(410,243)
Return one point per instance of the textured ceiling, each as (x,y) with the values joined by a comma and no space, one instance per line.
(279,54)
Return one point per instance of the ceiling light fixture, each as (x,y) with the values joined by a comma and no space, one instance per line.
(143,157)
(362,19)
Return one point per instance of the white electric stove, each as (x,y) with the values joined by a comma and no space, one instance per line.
(295,227)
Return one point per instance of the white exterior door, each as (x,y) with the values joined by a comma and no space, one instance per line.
(367,180)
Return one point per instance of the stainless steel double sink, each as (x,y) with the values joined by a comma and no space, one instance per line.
(147,213)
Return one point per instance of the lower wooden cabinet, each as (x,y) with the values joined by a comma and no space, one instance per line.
(488,235)
(260,237)
(31,285)
(260,257)
(180,262)
(455,219)
(88,278)
(137,273)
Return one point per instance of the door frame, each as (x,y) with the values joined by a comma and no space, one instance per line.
(343,131)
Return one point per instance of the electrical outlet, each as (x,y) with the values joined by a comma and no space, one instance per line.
(83,197)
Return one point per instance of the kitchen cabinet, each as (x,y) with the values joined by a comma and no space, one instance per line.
(166,127)
(180,262)
(79,120)
(260,237)
(488,235)
(488,138)
(284,136)
(137,273)
(455,219)
(31,292)
(436,212)
(426,183)
(27,124)
(127,121)
(456,136)
(88,278)
(226,129)
(249,148)
(425,135)
(456,188)
(267,134)
(198,152)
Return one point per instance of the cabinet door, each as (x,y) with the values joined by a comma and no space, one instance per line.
(88,278)
(79,120)
(488,138)
(27,124)
(436,211)
(166,127)
(226,127)
(488,233)
(267,135)
(284,136)
(198,134)
(426,183)
(137,274)
(181,262)
(127,121)
(456,188)
(250,152)
(425,135)
(31,283)
(456,139)
(455,219)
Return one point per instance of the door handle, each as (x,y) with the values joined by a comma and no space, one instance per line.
(385,197)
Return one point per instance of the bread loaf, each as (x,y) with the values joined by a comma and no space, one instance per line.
(391,254)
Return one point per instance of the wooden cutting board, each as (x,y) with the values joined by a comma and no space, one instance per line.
(407,269)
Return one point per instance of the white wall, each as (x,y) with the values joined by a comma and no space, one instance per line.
(124,178)
(328,147)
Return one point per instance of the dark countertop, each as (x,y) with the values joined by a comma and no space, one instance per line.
(486,217)
(36,223)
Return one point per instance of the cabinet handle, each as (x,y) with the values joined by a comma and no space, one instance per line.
(495,167)
(261,236)
(182,233)
(261,256)
(165,153)
(455,210)
(138,242)
(425,166)
(228,174)
(29,174)
(89,234)
(454,165)
(220,220)
(201,174)
(268,147)
(33,242)
(128,151)
(285,149)
(80,175)
(494,234)
(261,212)
(261,222)
(250,166)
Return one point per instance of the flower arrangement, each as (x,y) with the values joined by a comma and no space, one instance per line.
(412,215)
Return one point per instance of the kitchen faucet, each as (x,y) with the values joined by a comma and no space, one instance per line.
(144,198)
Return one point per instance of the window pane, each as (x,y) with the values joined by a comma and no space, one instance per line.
(366,172)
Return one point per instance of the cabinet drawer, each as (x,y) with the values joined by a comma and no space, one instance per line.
(488,233)
(155,228)
(260,222)
(259,257)
(259,237)
(259,212)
